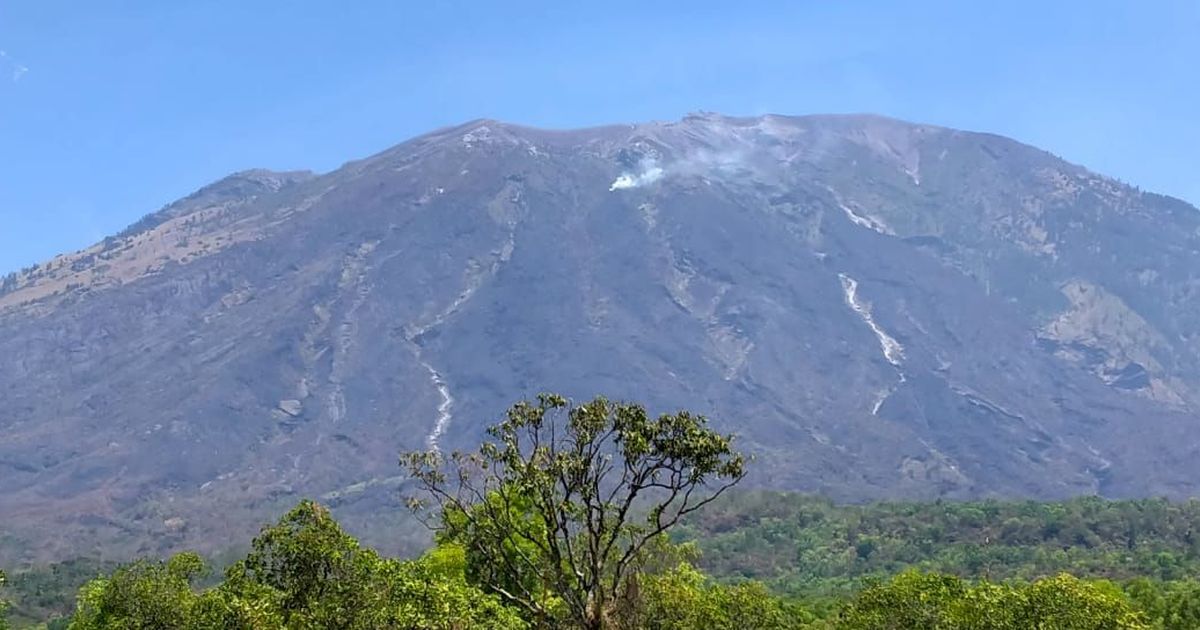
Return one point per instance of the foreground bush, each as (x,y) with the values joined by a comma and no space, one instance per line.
(304,572)
(932,601)
(683,599)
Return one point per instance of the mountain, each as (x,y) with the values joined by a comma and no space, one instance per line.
(877,308)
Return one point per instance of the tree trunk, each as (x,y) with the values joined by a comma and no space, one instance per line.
(596,615)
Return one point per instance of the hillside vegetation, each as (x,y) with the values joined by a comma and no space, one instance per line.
(803,545)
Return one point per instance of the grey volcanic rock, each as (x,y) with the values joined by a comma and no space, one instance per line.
(878,309)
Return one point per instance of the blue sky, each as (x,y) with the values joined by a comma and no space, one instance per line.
(110,109)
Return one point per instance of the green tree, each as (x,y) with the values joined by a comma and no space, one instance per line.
(930,601)
(1065,602)
(1168,605)
(550,506)
(683,599)
(909,601)
(309,570)
(145,595)
(4,605)
(305,572)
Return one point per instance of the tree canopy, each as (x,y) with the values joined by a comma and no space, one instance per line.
(558,509)
(934,601)
(303,572)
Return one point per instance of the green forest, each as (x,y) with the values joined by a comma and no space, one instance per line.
(599,516)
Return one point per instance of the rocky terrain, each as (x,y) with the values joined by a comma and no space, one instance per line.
(877,308)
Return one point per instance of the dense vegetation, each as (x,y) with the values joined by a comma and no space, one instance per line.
(48,592)
(598,516)
(304,572)
(802,545)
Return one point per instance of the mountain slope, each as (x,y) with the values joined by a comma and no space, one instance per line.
(877,308)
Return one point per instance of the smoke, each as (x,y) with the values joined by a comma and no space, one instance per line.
(700,163)
(648,172)
(704,163)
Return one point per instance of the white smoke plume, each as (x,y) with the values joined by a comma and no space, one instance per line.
(701,163)
(648,172)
